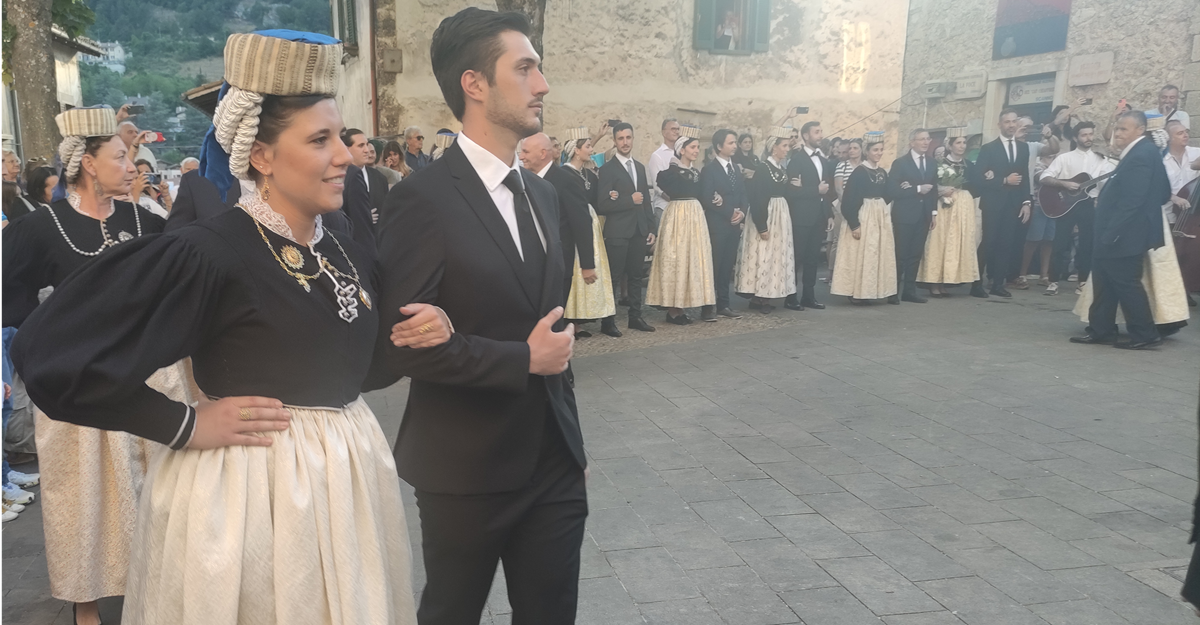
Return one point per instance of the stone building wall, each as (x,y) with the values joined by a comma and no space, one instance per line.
(1151,44)
(633,60)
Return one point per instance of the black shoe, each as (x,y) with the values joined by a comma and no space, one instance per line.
(1191,301)
(977,291)
(1141,345)
(1092,339)
(792,304)
(916,299)
(1000,292)
(859,302)
(894,299)
(726,312)
(583,334)
(610,330)
(637,323)
(765,308)
(680,320)
(624,301)
(755,305)
(708,315)
(813,304)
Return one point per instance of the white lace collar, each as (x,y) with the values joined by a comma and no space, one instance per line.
(253,204)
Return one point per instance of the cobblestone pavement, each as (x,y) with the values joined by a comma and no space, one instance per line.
(956,462)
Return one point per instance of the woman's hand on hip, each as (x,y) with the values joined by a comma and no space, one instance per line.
(238,421)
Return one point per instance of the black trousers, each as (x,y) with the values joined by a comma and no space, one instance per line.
(535,532)
(725,240)
(1119,281)
(1083,216)
(627,259)
(910,248)
(1018,246)
(1191,583)
(807,240)
(999,232)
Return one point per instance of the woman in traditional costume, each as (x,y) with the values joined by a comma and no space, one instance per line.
(682,273)
(767,264)
(866,259)
(588,300)
(277,500)
(90,478)
(951,255)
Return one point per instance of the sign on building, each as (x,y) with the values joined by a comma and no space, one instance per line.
(1036,91)
(1090,69)
(970,84)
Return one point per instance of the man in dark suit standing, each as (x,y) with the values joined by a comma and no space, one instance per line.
(537,155)
(1128,224)
(377,185)
(723,195)
(810,198)
(629,229)
(1005,200)
(912,184)
(490,438)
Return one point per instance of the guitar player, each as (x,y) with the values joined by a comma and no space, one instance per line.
(1081,160)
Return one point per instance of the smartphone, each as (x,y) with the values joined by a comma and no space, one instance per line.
(153,179)
(1087,101)
(800,110)
(153,137)
(612,123)
(136,109)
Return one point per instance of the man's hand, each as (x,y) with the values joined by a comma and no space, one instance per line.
(650,239)
(823,188)
(7,392)
(637,197)
(1070,186)
(589,275)
(123,113)
(905,185)
(139,185)
(550,351)
(765,236)
(1026,209)
(612,195)
(932,222)
(989,175)
(374,215)
(1180,203)
(924,188)
(795,182)
(717,200)
(747,173)
(856,233)
(829,225)
(1047,131)
(738,216)
(1013,179)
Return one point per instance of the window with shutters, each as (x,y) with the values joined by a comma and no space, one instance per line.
(345,24)
(732,26)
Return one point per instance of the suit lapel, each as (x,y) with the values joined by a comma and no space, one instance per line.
(470,186)
(553,249)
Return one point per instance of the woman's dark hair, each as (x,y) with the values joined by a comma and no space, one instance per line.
(142,161)
(278,111)
(720,136)
(742,137)
(470,40)
(37,184)
(392,147)
(11,191)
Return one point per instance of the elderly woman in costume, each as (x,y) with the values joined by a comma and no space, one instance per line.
(91,479)
(277,500)
(767,266)
(951,255)
(591,295)
(866,257)
(682,273)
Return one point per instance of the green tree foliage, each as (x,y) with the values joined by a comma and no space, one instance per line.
(73,16)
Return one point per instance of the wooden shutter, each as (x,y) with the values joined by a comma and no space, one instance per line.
(762,25)
(704,26)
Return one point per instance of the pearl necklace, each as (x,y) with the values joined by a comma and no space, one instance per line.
(74,200)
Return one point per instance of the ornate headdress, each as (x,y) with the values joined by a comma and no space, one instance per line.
(577,133)
(689,130)
(266,62)
(76,125)
(956,132)
(1156,129)
(444,140)
(873,137)
(780,132)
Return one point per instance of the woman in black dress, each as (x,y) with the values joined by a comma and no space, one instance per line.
(278,500)
(766,263)
(866,257)
(681,275)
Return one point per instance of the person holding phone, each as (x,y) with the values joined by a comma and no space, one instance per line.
(150,190)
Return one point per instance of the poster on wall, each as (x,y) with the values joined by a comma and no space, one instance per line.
(1025,27)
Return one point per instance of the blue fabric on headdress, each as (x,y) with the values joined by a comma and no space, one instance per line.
(214,160)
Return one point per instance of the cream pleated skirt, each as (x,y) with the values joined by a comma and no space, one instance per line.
(1163,283)
(951,251)
(595,300)
(308,531)
(866,267)
(91,480)
(767,269)
(682,273)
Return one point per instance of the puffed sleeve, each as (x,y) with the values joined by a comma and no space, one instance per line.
(87,351)
(852,197)
(26,269)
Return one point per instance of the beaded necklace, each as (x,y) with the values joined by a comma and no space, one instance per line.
(74,200)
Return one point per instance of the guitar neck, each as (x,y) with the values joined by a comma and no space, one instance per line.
(1097,180)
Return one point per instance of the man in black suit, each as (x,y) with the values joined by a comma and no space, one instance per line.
(912,185)
(537,155)
(629,228)
(723,195)
(490,438)
(1128,224)
(363,154)
(810,198)
(1005,200)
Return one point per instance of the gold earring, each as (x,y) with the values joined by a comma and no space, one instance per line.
(265,192)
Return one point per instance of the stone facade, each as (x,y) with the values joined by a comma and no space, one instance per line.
(1149,44)
(634,60)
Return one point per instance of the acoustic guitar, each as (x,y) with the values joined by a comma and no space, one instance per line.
(1057,201)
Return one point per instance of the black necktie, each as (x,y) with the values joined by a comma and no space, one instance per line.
(922,166)
(729,172)
(1012,152)
(531,246)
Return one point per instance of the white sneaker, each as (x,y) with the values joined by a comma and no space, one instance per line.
(8,515)
(1051,289)
(24,479)
(1079,290)
(15,507)
(1073,278)
(14,494)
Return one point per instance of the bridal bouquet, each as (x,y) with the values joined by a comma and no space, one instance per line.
(950,176)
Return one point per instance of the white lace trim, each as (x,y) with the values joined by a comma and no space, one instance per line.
(253,204)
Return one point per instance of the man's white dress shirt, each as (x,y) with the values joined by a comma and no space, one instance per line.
(492,171)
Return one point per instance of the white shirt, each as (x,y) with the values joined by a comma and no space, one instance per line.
(366,178)
(1180,116)
(625,161)
(154,207)
(659,162)
(1010,147)
(492,171)
(916,157)
(724,163)
(1079,161)
(815,155)
(542,173)
(1130,146)
(1181,173)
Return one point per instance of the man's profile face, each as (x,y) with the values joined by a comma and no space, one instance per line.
(128,133)
(189,166)
(727,147)
(415,142)
(624,142)
(671,133)
(358,150)
(514,98)
(814,136)
(1126,132)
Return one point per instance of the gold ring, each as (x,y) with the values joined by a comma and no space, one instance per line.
(245,415)
(424,329)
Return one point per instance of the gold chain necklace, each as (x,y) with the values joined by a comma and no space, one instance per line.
(302,278)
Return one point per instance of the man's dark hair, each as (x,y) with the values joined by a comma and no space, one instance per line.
(1081,126)
(470,40)
(1008,110)
(1168,88)
(1137,116)
(622,126)
(720,136)
(348,135)
(807,127)
(36,184)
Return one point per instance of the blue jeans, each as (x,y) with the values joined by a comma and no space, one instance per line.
(8,335)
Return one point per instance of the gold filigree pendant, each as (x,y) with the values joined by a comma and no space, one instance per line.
(366,299)
(292,257)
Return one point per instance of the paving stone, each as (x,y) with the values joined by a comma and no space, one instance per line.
(592,562)
(659,505)
(978,603)
(696,546)
(1055,519)
(982,482)
(1116,550)
(817,537)
(1036,546)
(1152,502)
(626,473)
(741,598)
(680,612)
(603,601)
(619,528)
(1133,600)
(1076,612)
(799,478)
(938,528)
(768,498)
(1015,576)
(1147,530)
(733,520)
(783,565)
(651,575)
(759,449)
(788,435)
(829,606)
(830,460)
(962,505)
(849,513)
(903,472)
(879,586)
(912,557)
(1166,482)
(1086,475)
(695,485)
(877,491)
(1072,496)
(927,618)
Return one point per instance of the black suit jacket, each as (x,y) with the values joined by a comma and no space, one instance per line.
(908,206)
(994,194)
(475,416)
(806,204)
(576,220)
(197,199)
(714,179)
(377,193)
(622,218)
(356,204)
(1129,210)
